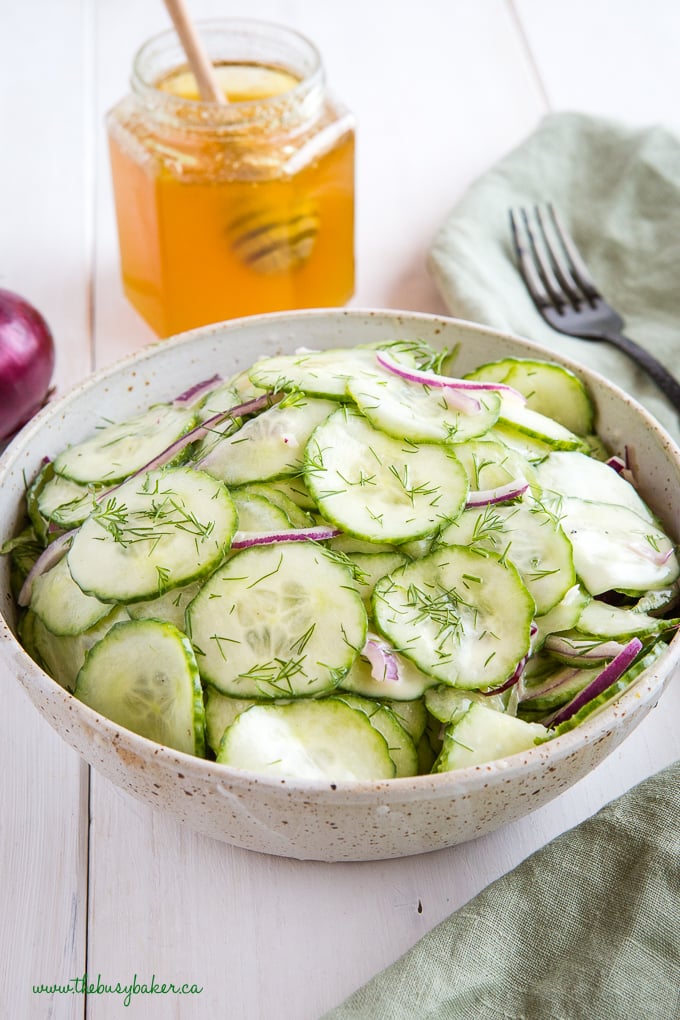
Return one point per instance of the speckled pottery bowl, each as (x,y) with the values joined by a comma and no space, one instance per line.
(319,820)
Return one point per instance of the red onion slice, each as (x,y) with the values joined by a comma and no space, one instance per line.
(318,533)
(384,665)
(196,391)
(445,381)
(603,650)
(501,494)
(609,675)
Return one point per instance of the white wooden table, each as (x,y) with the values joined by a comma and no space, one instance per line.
(91,880)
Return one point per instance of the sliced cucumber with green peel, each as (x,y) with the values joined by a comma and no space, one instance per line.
(379,488)
(529,535)
(307,740)
(61,605)
(615,549)
(410,682)
(490,464)
(400,745)
(570,473)
(257,513)
(297,517)
(601,701)
(517,417)
(370,567)
(412,715)
(143,676)
(318,373)
(66,503)
(171,606)
(220,712)
(116,451)
(421,414)
(461,615)
(156,532)
(269,446)
(63,655)
(604,621)
(449,704)
(278,621)
(483,735)
(562,616)
(550,389)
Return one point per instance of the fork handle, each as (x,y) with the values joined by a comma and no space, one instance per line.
(654,369)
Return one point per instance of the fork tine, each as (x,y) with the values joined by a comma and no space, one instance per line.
(538,252)
(554,246)
(577,266)
(526,262)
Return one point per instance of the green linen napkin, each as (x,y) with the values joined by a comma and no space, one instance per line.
(587,927)
(618,190)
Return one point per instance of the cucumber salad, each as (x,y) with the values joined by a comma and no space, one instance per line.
(347,564)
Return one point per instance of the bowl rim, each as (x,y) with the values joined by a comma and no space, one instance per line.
(438,785)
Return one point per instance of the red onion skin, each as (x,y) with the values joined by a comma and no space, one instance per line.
(26,362)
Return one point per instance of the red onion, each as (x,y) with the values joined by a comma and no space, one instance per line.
(446,382)
(26,362)
(381,656)
(318,533)
(501,494)
(191,395)
(609,675)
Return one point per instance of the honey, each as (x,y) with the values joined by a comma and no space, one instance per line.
(232,210)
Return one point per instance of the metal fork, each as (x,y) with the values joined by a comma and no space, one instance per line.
(564,293)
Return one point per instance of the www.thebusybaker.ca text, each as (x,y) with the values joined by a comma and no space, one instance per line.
(86,986)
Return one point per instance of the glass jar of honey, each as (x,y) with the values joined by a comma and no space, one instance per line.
(238,208)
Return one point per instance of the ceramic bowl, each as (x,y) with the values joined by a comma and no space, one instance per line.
(321,820)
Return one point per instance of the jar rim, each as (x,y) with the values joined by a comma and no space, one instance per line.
(309,70)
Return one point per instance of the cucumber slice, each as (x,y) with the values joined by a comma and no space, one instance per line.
(418,413)
(483,735)
(379,488)
(449,704)
(268,446)
(318,373)
(143,676)
(561,617)
(220,712)
(62,656)
(61,605)
(297,517)
(257,513)
(154,533)
(277,622)
(170,607)
(603,621)
(307,740)
(411,683)
(118,450)
(617,688)
(528,535)
(411,714)
(550,389)
(294,488)
(400,745)
(489,463)
(461,615)
(616,549)
(570,473)
(234,391)
(517,417)
(371,567)
(557,690)
(65,503)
